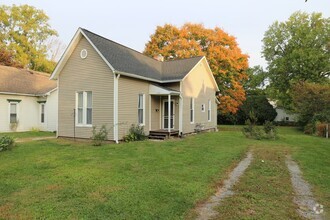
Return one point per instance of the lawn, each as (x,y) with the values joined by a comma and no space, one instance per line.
(60,179)
(265,191)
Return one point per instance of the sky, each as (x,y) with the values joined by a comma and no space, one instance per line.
(132,22)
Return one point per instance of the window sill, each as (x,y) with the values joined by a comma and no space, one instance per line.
(84,126)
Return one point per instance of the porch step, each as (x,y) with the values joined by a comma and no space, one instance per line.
(162,134)
(157,137)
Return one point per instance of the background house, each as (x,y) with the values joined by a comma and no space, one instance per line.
(282,114)
(28,100)
(103,82)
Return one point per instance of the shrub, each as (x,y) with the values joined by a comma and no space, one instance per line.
(100,136)
(6,143)
(309,128)
(252,131)
(321,129)
(199,127)
(270,130)
(136,133)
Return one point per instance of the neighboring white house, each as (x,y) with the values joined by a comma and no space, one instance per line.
(28,100)
(283,115)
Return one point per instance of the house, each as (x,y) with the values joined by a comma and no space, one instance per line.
(282,114)
(101,82)
(28,100)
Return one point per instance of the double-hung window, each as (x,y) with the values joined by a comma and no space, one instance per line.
(192,110)
(13,112)
(209,111)
(141,105)
(42,113)
(84,106)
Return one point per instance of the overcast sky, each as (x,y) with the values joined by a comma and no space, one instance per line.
(132,22)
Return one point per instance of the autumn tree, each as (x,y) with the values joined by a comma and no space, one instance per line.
(7,58)
(24,31)
(297,50)
(225,58)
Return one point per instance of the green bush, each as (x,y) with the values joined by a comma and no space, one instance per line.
(270,130)
(100,136)
(136,133)
(252,131)
(6,143)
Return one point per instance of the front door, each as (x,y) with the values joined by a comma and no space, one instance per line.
(165,115)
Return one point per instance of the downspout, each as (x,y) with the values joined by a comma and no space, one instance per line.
(115,107)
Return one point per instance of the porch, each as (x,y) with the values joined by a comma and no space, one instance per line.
(165,111)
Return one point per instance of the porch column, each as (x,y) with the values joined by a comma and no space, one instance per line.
(169,113)
(180,113)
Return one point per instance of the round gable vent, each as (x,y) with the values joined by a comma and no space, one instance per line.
(83,53)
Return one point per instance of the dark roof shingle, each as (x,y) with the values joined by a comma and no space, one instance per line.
(22,81)
(127,60)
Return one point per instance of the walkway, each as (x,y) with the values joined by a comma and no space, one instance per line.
(303,198)
(206,210)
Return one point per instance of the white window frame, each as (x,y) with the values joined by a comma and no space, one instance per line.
(192,110)
(17,110)
(84,110)
(44,106)
(143,109)
(209,111)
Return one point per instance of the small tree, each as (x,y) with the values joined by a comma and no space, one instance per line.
(311,102)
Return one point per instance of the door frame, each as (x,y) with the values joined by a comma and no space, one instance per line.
(163,113)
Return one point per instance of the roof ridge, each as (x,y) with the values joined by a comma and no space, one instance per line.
(27,70)
(180,59)
(120,45)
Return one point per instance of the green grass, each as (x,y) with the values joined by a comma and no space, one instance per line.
(313,156)
(28,134)
(60,179)
(265,190)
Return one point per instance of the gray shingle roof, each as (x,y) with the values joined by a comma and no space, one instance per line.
(127,60)
(14,80)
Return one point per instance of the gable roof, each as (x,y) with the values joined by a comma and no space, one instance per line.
(127,61)
(22,81)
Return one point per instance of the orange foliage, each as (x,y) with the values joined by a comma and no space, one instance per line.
(225,58)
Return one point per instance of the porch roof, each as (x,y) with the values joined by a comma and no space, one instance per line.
(160,90)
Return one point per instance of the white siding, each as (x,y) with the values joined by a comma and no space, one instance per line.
(28,113)
(51,110)
(282,115)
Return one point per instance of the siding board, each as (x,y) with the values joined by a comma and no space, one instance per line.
(198,85)
(128,91)
(89,74)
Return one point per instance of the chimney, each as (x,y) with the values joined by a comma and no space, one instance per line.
(159,57)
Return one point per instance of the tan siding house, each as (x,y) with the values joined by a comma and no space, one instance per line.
(101,82)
